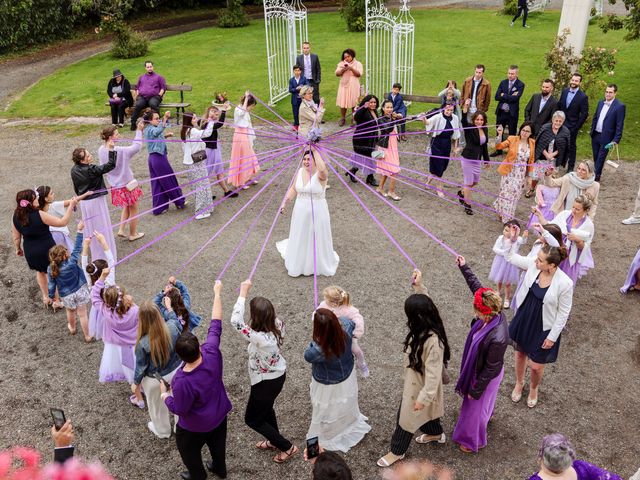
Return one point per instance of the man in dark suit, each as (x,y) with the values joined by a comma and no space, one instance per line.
(311,70)
(63,441)
(295,84)
(575,105)
(606,127)
(541,106)
(508,96)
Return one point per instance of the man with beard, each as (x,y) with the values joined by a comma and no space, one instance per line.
(541,106)
(575,105)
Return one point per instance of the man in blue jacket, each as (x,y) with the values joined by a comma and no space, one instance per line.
(508,96)
(606,127)
(575,105)
(398,107)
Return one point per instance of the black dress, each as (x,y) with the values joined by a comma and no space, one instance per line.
(36,241)
(526,328)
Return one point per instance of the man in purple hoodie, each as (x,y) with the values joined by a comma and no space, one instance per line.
(150,89)
(197,395)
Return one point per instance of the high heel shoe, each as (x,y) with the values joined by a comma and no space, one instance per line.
(371,180)
(352,174)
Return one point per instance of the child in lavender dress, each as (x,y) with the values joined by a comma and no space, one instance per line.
(502,272)
(93,270)
(633,277)
(337,300)
(545,196)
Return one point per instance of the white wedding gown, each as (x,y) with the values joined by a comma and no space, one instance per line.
(297,250)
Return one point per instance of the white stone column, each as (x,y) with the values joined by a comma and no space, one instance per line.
(575,16)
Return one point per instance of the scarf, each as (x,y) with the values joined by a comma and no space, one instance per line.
(470,354)
(577,186)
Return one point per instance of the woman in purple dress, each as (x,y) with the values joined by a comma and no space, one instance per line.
(633,277)
(482,365)
(558,460)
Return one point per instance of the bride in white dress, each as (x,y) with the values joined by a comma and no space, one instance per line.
(310,212)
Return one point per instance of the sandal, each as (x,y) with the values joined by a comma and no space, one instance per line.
(515,396)
(389,459)
(424,438)
(394,197)
(139,404)
(282,457)
(529,193)
(265,445)
(465,449)
(137,236)
(532,402)
(121,235)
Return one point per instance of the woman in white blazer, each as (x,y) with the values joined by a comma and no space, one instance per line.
(543,305)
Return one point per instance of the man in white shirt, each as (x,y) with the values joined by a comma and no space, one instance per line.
(606,127)
(311,69)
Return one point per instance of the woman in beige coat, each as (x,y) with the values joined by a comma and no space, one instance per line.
(426,351)
(310,115)
(580,182)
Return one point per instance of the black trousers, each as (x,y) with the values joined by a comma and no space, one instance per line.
(507,121)
(190,447)
(142,103)
(316,91)
(117,111)
(260,415)
(571,152)
(401,439)
(522,9)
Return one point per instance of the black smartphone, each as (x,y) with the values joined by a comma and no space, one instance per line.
(58,417)
(313,448)
(158,377)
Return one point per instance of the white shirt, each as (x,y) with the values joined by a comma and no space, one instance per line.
(307,67)
(543,102)
(57,210)
(474,94)
(603,113)
(192,147)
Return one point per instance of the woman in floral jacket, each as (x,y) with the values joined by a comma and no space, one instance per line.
(267,369)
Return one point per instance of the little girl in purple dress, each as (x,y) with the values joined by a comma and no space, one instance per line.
(545,196)
(502,272)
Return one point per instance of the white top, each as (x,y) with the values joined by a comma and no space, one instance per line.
(587,227)
(265,360)
(501,247)
(57,210)
(556,304)
(192,147)
(111,278)
(242,119)
(437,123)
(603,113)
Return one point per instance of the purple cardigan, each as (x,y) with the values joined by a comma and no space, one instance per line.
(118,330)
(198,397)
(122,174)
(588,471)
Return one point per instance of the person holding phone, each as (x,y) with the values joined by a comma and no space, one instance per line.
(63,437)
(199,398)
(156,358)
(349,70)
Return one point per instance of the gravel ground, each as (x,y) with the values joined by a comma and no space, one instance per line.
(590,394)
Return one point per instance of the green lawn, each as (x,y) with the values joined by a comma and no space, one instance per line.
(448,44)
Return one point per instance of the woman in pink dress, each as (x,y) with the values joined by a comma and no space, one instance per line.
(349,70)
(244,163)
(388,166)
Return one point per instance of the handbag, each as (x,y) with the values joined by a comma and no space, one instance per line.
(132,185)
(377,154)
(199,156)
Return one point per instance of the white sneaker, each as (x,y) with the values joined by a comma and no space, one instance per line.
(631,220)
(506,303)
(203,215)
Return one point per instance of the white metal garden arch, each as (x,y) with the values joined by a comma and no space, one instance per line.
(389,48)
(285,29)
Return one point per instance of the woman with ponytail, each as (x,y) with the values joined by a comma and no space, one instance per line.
(543,302)
(426,353)
(482,364)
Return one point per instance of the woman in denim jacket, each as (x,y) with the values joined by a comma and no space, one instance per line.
(155,353)
(336,419)
(178,294)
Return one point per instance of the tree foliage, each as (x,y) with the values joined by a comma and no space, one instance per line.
(353,11)
(630,22)
(233,16)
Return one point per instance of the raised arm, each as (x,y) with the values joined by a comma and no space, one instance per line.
(53,221)
(212,343)
(75,254)
(472,281)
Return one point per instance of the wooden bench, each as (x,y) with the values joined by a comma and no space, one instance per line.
(179,106)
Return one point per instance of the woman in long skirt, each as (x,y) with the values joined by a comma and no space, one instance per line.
(88,177)
(482,365)
(521,150)
(164,186)
(244,163)
(443,128)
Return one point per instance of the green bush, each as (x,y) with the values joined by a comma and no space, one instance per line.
(233,16)
(510,7)
(353,11)
(128,43)
(30,22)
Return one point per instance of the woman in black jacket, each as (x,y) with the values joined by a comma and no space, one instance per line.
(475,148)
(482,365)
(364,139)
(119,93)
